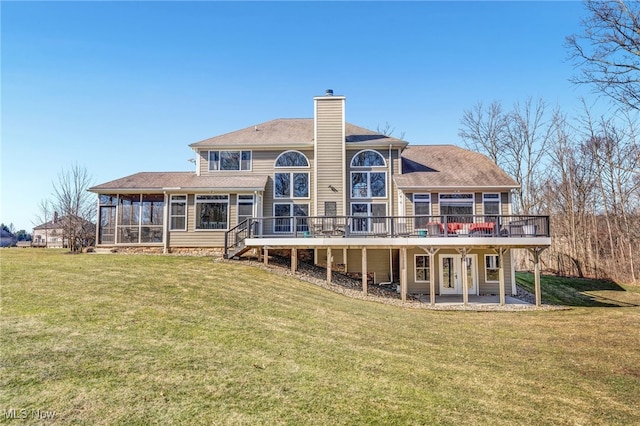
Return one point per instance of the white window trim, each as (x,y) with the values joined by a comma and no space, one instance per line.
(486,280)
(230,150)
(186,211)
(290,196)
(308,166)
(415,268)
(422,201)
(384,161)
(499,202)
(369,197)
(291,214)
(195,212)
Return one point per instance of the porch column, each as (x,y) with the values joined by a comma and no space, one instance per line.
(266,256)
(403,274)
(501,252)
(465,289)
(329,261)
(365,282)
(294,260)
(165,225)
(432,274)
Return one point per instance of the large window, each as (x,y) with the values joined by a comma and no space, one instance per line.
(178,213)
(458,207)
(368,184)
(491,207)
(491,268)
(373,219)
(288,211)
(421,210)
(423,268)
(212,211)
(368,158)
(229,160)
(291,185)
(292,159)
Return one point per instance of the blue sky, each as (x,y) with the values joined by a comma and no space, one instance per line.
(123,87)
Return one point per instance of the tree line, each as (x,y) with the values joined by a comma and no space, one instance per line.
(583,170)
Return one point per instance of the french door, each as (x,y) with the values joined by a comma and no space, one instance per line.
(451,273)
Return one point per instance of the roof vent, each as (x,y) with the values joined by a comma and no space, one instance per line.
(328,92)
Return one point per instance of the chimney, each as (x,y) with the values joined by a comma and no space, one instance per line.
(330,156)
(55,217)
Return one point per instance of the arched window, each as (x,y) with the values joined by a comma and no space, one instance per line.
(292,159)
(291,184)
(368,158)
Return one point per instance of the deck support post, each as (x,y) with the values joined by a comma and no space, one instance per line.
(403,274)
(329,261)
(501,253)
(365,281)
(294,260)
(344,260)
(266,256)
(536,272)
(259,253)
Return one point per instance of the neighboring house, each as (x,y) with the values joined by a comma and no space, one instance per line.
(436,219)
(52,234)
(7,239)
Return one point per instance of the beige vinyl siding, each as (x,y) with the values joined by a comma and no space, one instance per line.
(263,164)
(504,202)
(330,156)
(204,161)
(494,287)
(412,285)
(202,238)
(377,262)
(483,286)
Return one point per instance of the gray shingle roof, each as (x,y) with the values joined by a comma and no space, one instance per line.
(290,131)
(157,181)
(449,166)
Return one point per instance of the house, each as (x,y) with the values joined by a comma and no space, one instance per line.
(436,219)
(52,234)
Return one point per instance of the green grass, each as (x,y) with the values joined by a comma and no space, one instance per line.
(581,291)
(116,339)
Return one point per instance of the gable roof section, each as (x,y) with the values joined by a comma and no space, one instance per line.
(289,132)
(160,181)
(449,166)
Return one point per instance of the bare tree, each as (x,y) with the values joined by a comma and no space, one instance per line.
(527,135)
(75,205)
(483,130)
(608,50)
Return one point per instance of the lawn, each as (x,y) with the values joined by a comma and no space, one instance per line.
(117,339)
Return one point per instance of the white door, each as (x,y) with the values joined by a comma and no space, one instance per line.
(451,273)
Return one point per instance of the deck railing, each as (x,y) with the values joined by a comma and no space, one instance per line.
(444,226)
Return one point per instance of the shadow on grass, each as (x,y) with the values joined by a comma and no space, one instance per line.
(580,291)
